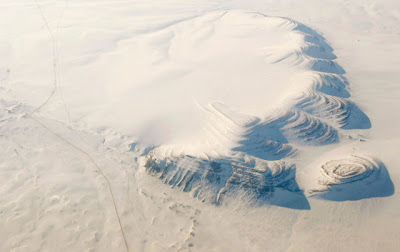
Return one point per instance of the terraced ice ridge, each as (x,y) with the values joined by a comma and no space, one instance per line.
(250,135)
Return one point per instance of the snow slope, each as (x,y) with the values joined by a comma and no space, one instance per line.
(187,125)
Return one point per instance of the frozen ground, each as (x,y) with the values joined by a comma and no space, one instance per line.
(199,125)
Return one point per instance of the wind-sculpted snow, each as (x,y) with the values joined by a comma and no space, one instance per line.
(256,153)
(331,84)
(348,170)
(212,180)
(353,178)
(170,126)
(307,128)
(326,106)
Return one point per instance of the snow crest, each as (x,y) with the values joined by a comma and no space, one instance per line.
(257,154)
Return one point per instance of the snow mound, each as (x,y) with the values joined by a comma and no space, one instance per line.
(313,106)
(353,178)
(261,89)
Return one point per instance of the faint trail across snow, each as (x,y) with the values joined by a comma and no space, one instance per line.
(59,88)
(55,84)
(97,167)
(53,40)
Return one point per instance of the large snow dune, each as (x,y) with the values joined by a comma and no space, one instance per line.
(199,125)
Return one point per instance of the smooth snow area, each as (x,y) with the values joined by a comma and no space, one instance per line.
(199,125)
(174,72)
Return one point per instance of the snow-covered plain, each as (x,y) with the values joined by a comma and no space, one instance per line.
(199,125)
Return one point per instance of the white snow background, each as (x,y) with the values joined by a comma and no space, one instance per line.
(199,125)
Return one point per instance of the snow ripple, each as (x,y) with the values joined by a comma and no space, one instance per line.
(327,106)
(309,128)
(210,180)
(353,178)
(348,170)
(316,117)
